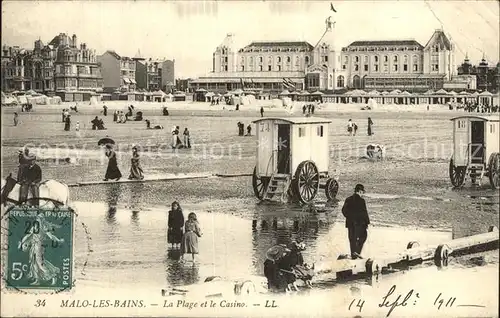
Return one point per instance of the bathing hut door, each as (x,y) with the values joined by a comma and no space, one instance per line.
(266,160)
(460,142)
(477,141)
(283,144)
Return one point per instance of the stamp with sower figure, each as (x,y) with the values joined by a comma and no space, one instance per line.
(39,249)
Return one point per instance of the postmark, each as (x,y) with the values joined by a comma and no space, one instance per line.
(38,248)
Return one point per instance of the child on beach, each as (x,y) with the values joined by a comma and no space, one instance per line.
(190,238)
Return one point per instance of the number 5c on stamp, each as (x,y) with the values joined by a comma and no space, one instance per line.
(40,249)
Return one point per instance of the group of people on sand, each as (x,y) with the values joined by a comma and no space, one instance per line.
(352,127)
(176,139)
(119,117)
(309,108)
(183,235)
(241,129)
(113,171)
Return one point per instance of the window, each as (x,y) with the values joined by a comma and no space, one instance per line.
(225,68)
(356,67)
(260,68)
(415,67)
(302,131)
(307,60)
(225,59)
(435,67)
(269,68)
(279,68)
(319,131)
(278,59)
(288,59)
(405,67)
(395,59)
(344,67)
(366,67)
(356,59)
(375,58)
(340,81)
(375,67)
(243,68)
(386,58)
(395,67)
(260,59)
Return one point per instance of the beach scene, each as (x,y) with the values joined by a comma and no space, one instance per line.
(250,191)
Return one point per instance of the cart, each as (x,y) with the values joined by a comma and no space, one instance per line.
(293,159)
(475,150)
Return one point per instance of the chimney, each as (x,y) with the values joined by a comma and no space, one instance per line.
(74,40)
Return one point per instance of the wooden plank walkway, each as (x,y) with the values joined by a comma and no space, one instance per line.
(169,177)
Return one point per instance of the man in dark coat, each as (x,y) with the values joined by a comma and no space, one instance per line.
(30,181)
(357,220)
(23,162)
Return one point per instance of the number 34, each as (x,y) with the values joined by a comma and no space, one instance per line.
(40,303)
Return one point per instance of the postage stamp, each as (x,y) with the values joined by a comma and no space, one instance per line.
(39,248)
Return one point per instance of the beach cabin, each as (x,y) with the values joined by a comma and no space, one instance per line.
(475,149)
(293,159)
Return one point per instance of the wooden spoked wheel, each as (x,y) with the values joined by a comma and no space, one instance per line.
(306,182)
(331,189)
(494,170)
(457,175)
(259,185)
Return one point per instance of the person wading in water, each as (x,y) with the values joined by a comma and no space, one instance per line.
(356,220)
(175,225)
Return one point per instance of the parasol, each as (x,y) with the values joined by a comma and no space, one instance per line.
(105,141)
(277,252)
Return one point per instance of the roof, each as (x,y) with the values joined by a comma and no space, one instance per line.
(387,43)
(281,44)
(114,54)
(439,38)
(485,118)
(297,120)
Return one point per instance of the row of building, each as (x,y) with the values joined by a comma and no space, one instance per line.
(380,65)
(75,72)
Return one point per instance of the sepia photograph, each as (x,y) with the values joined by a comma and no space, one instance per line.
(176,158)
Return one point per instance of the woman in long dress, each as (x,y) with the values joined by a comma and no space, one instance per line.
(16,119)
(191,235)
(67,123)
(370,124)
(40,269)
(113,172)
(136,172)
(187,141)
(175,224)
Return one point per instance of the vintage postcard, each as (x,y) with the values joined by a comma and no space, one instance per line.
(250,158)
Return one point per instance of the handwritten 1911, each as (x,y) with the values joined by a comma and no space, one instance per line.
(393,301)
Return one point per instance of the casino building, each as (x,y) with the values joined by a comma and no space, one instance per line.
(271,67)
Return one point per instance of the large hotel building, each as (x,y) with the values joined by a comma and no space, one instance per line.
(271,67)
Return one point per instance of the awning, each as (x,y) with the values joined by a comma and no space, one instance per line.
(126,80)
(133,81)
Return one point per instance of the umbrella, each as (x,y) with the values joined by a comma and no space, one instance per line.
(276,252)
(105,141)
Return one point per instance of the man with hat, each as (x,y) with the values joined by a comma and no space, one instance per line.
(23,162)
(357,220)
(30,181)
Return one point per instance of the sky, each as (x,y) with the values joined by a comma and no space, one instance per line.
(189,31)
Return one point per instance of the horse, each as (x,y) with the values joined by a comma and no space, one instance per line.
(48,189)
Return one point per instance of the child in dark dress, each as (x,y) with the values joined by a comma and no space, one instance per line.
(175,225)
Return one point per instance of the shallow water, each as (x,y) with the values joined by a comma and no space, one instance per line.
(130,243)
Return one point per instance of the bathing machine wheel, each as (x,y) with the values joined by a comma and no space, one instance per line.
(260,184)
(494,170)
(331,188)
(457,174)
(306,182)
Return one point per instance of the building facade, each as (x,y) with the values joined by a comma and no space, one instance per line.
(403,64)
(118,72)
(59,68)
(273,66)
(76,71)
(486,76)
(371,65)
(154,75)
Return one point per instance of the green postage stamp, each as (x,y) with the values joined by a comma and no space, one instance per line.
(40,248)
